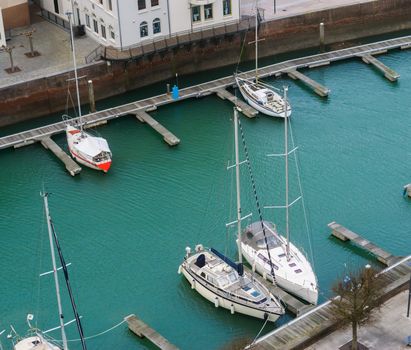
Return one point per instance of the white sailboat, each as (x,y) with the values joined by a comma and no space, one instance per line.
(224,282)
(273,255)
(260,96)
(87,149)
(38,340)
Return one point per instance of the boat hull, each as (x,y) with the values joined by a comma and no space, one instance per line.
(257,106)
(220,301)
(72,135)
(308,294)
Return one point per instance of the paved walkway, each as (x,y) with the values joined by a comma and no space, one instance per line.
(287,8)
(53,44)
(388,332)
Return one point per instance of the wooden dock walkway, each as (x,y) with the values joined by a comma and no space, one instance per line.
(389,73)
(204,89)
(72,167)
(142,330)
(309,327)
(244,107)
(345,234)
(317,87)
(168,137)
(292,304)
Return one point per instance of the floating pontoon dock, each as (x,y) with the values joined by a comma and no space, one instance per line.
(307,328)
(292,304)
(345,234)
(142,330)
(218,87)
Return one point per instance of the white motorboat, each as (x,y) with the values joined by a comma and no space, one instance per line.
(262,97)
(226,285)
(89,150)
(224,282)
(273,255)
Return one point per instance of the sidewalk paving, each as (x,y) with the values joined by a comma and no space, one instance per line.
(388,332)
(53,44)
(288,8)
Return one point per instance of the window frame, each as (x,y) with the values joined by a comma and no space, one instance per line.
(156,21)
(142,25)
(229,7)
(141,3)
(209,6)
(198,13)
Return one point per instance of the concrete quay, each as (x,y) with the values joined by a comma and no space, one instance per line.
(40,88)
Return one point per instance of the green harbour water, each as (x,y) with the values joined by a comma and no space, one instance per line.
(125,232)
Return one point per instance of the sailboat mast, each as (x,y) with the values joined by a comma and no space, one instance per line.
(73,49)
(286,171)
(237,177)
(256,41)
(56,280)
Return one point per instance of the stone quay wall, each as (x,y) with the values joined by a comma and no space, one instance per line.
(47,95)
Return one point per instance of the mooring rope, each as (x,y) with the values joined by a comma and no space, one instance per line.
(99,334)
(260,215)
(256,337)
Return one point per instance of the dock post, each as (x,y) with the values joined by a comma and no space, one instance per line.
(91,96)
(168,89)
(322,37)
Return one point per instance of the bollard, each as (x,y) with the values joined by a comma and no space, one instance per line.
(322,37)
(91,96)
(168,89)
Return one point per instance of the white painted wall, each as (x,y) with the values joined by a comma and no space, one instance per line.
(180,14)
(125,19)
(2,34)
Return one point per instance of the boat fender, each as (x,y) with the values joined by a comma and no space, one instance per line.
(216,303)
(265,275)
(188,252)
(193,284)
(232,309)
(253,267)
(265,316)
(179,270)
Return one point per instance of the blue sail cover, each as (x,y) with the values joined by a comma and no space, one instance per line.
(238,267)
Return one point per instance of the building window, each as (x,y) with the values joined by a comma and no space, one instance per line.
(156,26)
(95,24)
(143,29)
(101,2)
(103,31)
(112,34)
(226,7)
(208,11)
(110,5)
(87,20)
(141,4)
(196,15)
(154,3)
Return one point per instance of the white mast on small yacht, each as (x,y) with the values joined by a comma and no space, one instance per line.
(73,50)
(237,174)
(56,280)
(286,172)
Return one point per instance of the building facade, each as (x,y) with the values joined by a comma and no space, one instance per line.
(126,23)
(13,14)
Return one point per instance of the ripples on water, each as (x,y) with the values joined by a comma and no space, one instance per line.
(125,232)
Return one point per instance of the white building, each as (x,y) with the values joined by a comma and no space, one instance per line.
(13,14)
(125,23)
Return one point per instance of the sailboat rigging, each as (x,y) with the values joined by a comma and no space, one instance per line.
(37,339)
(224,282)
(261,96)
(89,150)
(275,256)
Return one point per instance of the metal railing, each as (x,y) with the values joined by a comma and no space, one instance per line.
(167,42)
(95,55)
(53,18)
